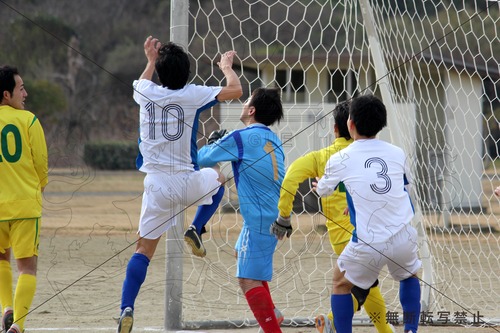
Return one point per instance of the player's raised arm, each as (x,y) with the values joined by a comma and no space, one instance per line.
(151,47)
(233,89)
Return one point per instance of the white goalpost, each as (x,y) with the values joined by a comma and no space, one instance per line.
(435,65)
(397,135)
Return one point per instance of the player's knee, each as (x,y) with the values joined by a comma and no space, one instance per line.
(5,254)
(248,284)
(340,283)
(27,265)
(147,247)
(361,294)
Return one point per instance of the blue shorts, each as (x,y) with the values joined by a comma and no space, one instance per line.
(255,255)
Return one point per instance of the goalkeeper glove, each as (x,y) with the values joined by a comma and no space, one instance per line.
(216,135)
(281,227)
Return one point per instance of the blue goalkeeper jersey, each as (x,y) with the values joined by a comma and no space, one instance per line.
(258,167)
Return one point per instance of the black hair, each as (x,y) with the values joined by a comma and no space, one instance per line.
(7,79)
(267,104)
(369,115)
(340,116)
(172,66)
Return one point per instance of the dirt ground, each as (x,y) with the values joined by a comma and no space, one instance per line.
(88,234)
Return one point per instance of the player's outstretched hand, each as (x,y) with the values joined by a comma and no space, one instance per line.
(281,227)
(151,47)
(226,60)
(216,135)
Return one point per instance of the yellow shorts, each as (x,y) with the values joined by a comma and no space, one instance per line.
(23,236)
(339,235)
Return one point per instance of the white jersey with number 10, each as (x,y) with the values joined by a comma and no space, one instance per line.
(168,125)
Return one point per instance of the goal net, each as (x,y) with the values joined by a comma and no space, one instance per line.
(435,65)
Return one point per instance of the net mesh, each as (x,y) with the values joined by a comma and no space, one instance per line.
(438,61)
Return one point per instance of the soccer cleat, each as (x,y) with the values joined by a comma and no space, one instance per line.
(323,324)
(194,240)
(126,321)
(14,329)
(279,316)
(7,319)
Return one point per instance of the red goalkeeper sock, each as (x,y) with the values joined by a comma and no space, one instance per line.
(266,286)
(261,304)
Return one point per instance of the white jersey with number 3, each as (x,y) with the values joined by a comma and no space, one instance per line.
(168,125)
(374,175)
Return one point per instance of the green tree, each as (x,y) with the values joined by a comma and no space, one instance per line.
(46,99)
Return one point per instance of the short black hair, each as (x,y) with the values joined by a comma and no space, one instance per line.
(7,79)
(267,104)
(340,116)
(369,115)
(172,66)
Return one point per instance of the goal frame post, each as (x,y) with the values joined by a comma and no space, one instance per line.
(382,79)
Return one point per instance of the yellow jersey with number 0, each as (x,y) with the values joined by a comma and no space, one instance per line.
(23,164)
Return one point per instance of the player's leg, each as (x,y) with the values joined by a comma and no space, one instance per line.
(25,237)
(324,323)
(409,296)
(260,302)
(254,253)
(207,183)
(136,272)
(205,212)
(403,268)
(277,312)
(6,300)
(158,214)
(376,309)
(342,302)
(25,289)
(351,270)
(339,234)
(135,275)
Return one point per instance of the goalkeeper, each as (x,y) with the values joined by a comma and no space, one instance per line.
(338,224)
(258,168)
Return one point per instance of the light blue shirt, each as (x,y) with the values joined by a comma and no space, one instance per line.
(258,167)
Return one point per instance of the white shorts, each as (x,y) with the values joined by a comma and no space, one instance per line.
(167,195)
(362,262)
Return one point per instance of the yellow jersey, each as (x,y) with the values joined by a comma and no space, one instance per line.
(23,164)
(310,166)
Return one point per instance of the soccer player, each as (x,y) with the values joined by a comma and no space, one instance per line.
(339,228)
(374,174)
(24,175)
(168,155)
(258,167)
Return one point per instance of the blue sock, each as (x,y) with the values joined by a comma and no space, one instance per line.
(343,311)
(205,212)
(136,274)
(409,296)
